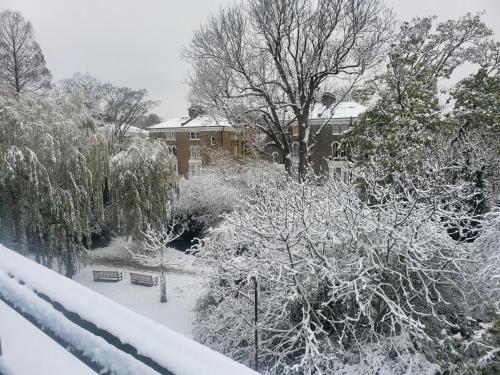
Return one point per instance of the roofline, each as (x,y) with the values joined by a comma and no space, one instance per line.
(193,128)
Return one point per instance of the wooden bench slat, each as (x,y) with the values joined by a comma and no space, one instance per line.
(137,278)
(107,275)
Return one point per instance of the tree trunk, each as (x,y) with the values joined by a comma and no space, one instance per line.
(163,286)
(287,160)
(303,146)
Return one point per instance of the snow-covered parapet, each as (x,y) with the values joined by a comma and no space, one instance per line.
(170,350)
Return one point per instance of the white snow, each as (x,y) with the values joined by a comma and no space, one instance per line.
(177,314)
(203,121)
(133,130)
(100,351)
(172,350)
(340,110)
(184,284)
(37,355)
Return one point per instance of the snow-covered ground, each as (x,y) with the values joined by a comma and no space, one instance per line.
(27,350)
(184,283)
(168,349)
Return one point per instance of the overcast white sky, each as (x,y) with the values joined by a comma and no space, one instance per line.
(137,43)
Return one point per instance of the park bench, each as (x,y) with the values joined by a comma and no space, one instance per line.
(107,276)
(147,280)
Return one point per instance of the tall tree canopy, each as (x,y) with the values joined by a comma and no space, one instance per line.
(263,63)
(22,65)
(121,107)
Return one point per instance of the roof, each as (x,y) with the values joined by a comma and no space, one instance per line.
(136,130)
(182,122)
(340,110)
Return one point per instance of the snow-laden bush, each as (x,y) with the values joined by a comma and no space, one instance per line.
(476,346)
(334,274)
(204,199)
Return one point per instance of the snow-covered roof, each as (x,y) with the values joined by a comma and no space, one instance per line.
(336,111)
(203,121)
(136,130)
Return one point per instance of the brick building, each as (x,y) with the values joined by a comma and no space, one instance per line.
(193,137)
(334,120)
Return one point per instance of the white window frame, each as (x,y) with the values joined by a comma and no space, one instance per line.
(194,135)
(194,169)
(340,128)
(212,140)
(334,152)
(170,136)
(195,152)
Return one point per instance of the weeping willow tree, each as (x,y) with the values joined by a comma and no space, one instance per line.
(142,185)
(51,177)
(58,174)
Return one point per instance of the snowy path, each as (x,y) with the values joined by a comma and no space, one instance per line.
(28,351)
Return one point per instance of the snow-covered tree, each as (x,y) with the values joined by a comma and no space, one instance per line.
(22,65)
(261,63)
(204,199)
(51,176)
(335,274)
(60,183)
(122,107)
(142,183)
(155,252)
(406,116)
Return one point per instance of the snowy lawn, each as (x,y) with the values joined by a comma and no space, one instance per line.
(184,284)
(37,355)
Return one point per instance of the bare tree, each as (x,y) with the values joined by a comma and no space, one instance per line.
(22,65)
(148,120)
(90,91)
(263,64)
(155,252)
(124,107)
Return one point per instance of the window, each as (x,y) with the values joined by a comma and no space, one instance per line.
(295,149)
(194,169)
(169,136)
(295,131)
(194,135)
(174,150)
(335,151)
(343,149)
(275,156)
(212,140)
(340,128)
(195,152)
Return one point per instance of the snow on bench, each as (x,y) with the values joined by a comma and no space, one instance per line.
(148,280)
(107,275)
(177,353)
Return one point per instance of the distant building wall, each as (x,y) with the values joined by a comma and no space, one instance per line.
(220,139)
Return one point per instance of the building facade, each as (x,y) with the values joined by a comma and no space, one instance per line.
(194,139)
(329,123)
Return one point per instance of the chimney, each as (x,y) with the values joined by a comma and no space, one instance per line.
(328,99)
(195,111)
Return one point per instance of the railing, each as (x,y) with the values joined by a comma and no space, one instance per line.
(106,336)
